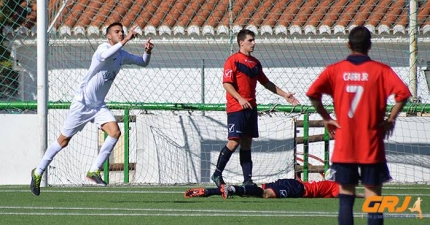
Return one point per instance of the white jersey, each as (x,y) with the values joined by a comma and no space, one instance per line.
(105,65)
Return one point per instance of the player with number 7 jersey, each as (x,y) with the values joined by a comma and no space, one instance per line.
(360,88)
(358,84)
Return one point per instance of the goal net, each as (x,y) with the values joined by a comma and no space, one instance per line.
(171,112)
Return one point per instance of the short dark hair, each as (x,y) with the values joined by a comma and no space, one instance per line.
(359,39)
(112,25)
(242,35)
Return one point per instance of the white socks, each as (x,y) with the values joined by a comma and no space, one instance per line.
(105,151)
(54,148)
(51,151)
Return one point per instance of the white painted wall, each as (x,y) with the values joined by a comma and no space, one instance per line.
(178,148)
(19,138)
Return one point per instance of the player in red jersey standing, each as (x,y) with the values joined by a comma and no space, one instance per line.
(360,88)
(241,73)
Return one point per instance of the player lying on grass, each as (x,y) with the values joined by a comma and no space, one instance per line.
(282,188)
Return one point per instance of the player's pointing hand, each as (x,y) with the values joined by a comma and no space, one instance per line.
(148,46)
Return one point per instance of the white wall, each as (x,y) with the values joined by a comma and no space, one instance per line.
(178,148)
(19,148)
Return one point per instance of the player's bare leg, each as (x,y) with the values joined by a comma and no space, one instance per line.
(113,132)
(269,193)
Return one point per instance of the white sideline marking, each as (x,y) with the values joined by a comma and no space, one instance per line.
(156,214)
(160,210)
(421,187)
(176,212)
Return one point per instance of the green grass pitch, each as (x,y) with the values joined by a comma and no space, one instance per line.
(166,205)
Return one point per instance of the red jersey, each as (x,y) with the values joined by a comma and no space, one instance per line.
(321,189)
(243,72)
(360,88)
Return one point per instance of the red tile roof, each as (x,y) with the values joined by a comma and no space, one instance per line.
(209,17)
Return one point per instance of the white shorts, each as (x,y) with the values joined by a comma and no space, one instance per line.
(79,115)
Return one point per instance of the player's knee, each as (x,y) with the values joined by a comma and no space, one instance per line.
(63,141)
(372,190)
(232,145)
(268,193)
(116,134)
(347,189)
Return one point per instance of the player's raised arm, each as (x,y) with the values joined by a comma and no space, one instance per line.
(131,34)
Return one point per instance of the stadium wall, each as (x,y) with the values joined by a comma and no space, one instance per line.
(196,142)
(19,138)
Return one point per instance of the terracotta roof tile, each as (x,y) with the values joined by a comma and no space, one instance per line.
(261,12)
(424,12)
(305,12)
(347,16)
(214,20)
(291,8)
(76,11)
(161,12)
(401,22)
(186,17)
(132,12)
(174,13)
(333,14)
(99,20)
(275,13)
(143,12)
(391,15)
(210,17)
(247,12)
(316,17)
(363,13)
(377,14)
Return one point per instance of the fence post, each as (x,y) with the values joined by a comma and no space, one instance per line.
(306,147)
(126,145)
(106,165)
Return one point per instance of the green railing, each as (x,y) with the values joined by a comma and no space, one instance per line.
(32,105)
(157,106)
(307,139)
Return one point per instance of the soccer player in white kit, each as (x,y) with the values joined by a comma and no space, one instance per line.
(89,104)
